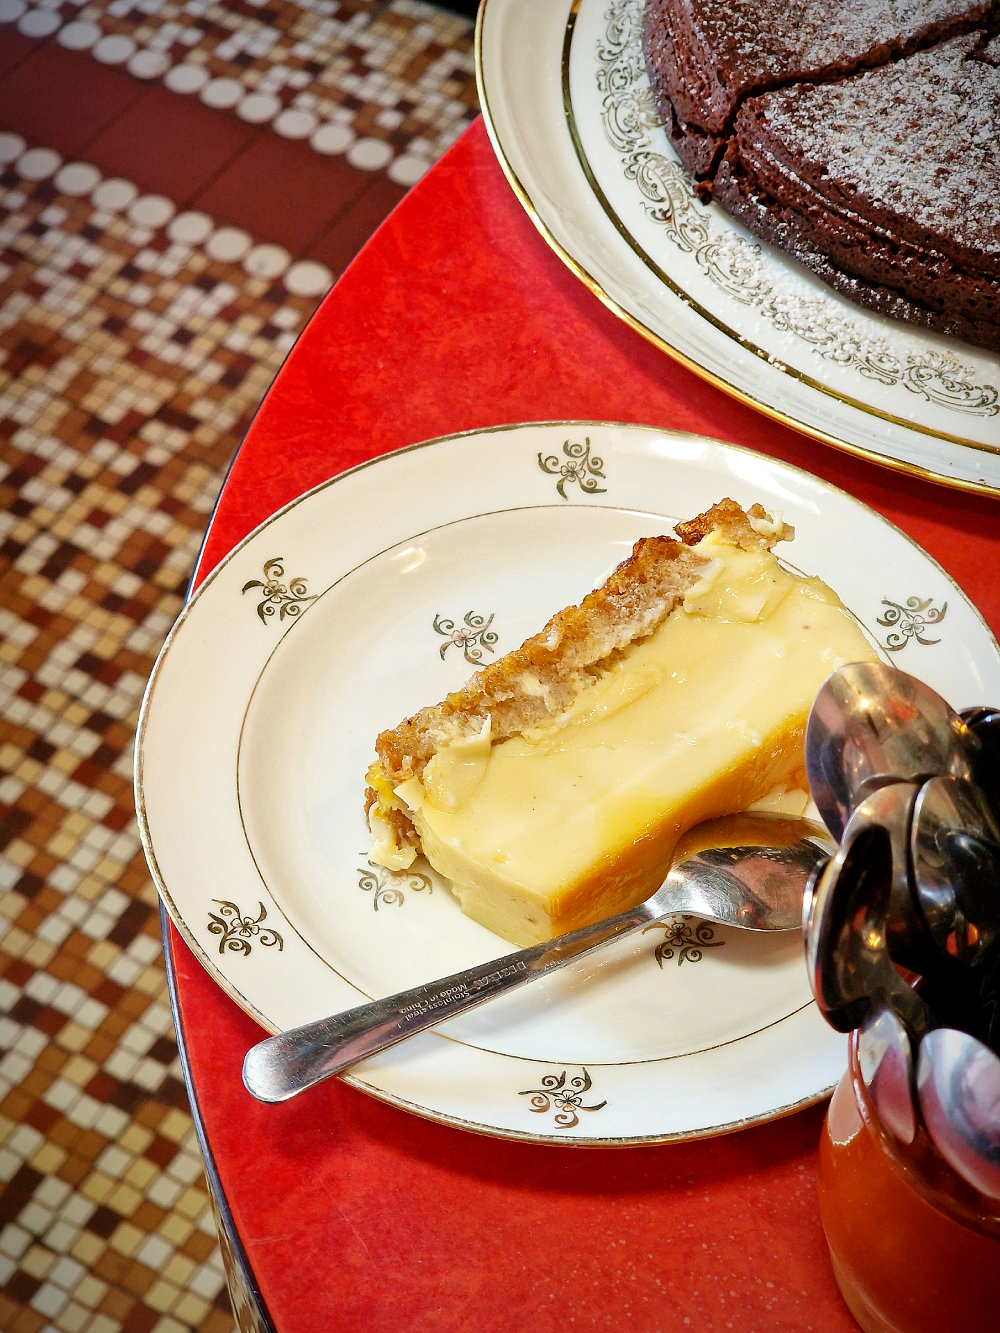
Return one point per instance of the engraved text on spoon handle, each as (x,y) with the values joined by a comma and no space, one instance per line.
(281,1066)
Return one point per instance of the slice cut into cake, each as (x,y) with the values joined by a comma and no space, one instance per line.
(859,138)
(904,221)
(706,56)
(552,789)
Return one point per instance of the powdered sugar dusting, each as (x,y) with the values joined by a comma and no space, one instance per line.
(916,140)
(747,274)
(760,44)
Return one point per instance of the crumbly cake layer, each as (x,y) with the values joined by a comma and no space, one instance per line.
(541,679)
(782,228)
(900,213)
(705,58)
(879,173)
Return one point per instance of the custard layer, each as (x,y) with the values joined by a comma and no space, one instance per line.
(576,821)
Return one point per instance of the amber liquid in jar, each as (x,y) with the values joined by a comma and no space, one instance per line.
(914,1248)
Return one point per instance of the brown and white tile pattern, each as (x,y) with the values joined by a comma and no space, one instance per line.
(390,85)
(135,343)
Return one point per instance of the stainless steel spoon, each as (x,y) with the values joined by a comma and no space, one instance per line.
(955,850)
(848,913)
(886,1059)
(956,869)
(984,725)
(846,922)
(871,725)
(958,1083)
(747,871)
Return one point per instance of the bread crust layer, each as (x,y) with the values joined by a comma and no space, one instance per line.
(541,679)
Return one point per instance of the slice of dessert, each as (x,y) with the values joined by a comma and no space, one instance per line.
(552,789)
(885,184)
(706,56)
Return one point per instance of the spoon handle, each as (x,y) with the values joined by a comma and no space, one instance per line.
(281,1066)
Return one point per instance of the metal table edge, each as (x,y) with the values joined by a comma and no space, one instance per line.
(265,1322)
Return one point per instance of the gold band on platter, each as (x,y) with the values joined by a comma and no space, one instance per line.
(980,487)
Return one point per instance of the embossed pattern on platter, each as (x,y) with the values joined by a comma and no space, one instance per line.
(472,636)
(275,596)
(238,930)
(736,266)
(683,940)
(580,468)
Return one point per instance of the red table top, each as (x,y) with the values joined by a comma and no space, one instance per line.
(357,1215)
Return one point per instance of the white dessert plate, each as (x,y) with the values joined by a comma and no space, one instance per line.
(382,590)
(569,111)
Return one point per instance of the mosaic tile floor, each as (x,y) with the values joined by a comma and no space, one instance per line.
(388,85)
(137,336)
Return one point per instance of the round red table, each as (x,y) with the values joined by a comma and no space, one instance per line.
(345,1213)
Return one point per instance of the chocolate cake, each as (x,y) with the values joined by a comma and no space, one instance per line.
(864,140)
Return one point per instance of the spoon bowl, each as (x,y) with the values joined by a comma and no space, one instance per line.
(748,871)
(956,869)
(871,725)
(984,724)
(886,1061)
(850,913)
(958,1083)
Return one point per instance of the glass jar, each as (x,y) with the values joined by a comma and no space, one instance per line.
(914,1248)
